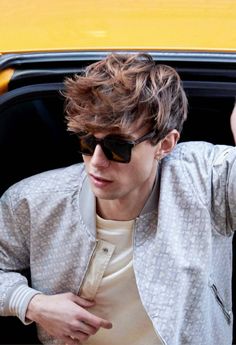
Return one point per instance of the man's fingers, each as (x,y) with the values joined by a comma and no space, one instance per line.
(70,340)
(95,321)
(89,318)
(85,328)
(106,324)
(82,302)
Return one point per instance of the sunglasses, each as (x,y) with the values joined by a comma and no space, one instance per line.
(115,149)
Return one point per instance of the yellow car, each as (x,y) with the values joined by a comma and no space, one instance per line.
(44,41)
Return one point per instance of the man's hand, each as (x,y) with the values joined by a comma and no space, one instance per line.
(64,317)
(233,122)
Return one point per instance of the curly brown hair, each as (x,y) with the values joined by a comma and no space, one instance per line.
(124,89)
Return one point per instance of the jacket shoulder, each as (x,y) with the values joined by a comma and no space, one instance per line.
(201,152)
(61,180)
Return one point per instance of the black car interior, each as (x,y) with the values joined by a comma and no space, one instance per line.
(33,135)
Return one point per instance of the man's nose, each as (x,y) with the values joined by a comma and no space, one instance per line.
(99,158)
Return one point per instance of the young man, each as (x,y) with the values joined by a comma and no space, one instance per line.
(133,246)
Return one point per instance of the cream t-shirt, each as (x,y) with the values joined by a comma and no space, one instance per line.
(110,281)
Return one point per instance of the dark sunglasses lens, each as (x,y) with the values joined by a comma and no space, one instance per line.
(87,145)
(114,149)
(117,150)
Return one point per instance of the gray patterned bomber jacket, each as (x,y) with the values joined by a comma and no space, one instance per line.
(182,242)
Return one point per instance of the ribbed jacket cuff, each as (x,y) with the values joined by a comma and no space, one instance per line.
(19,301)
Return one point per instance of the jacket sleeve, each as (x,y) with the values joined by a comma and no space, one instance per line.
(15,293)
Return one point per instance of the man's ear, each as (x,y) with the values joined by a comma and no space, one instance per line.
(168,143)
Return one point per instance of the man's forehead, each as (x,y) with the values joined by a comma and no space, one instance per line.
(128,132)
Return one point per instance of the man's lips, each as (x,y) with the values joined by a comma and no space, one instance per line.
(99,181)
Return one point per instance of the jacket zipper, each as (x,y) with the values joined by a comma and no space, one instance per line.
(86,270)
(227,313)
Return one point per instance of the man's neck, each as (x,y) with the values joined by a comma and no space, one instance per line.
(124,209)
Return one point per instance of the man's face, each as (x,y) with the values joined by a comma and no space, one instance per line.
(123,182)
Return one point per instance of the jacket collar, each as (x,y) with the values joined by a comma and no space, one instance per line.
(87,205)
(152,201)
